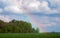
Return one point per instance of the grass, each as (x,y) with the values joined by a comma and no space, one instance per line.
(28,35)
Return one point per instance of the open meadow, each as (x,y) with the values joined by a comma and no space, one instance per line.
(28,35)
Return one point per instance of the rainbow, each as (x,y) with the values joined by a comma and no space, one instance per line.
(31,17)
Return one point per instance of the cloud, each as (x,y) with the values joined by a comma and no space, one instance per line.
(1,10)
(44,7)
(11,6)
(13,9)
(55,4)
(52,21)
(49,21)
(18,6)
(40,6)
(5,18)
(34,5)
(7,2)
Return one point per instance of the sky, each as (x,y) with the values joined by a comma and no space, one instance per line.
(44,14)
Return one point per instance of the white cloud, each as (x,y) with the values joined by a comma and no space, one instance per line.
(8,2)
(34,5)
(13,9)
(42,6)
(18,6)
(5,18)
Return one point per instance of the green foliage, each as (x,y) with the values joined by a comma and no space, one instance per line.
(1,24)
(16,26)
(37,30)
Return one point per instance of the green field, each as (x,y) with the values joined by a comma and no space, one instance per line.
(28,35)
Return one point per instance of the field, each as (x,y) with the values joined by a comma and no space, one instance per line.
(28,35)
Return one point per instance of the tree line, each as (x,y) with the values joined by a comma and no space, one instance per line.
(16,26)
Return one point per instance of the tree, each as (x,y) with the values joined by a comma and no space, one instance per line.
(16,26)
(1,24)
(37,30)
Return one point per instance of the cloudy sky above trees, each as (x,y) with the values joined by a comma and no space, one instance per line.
(44,14)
